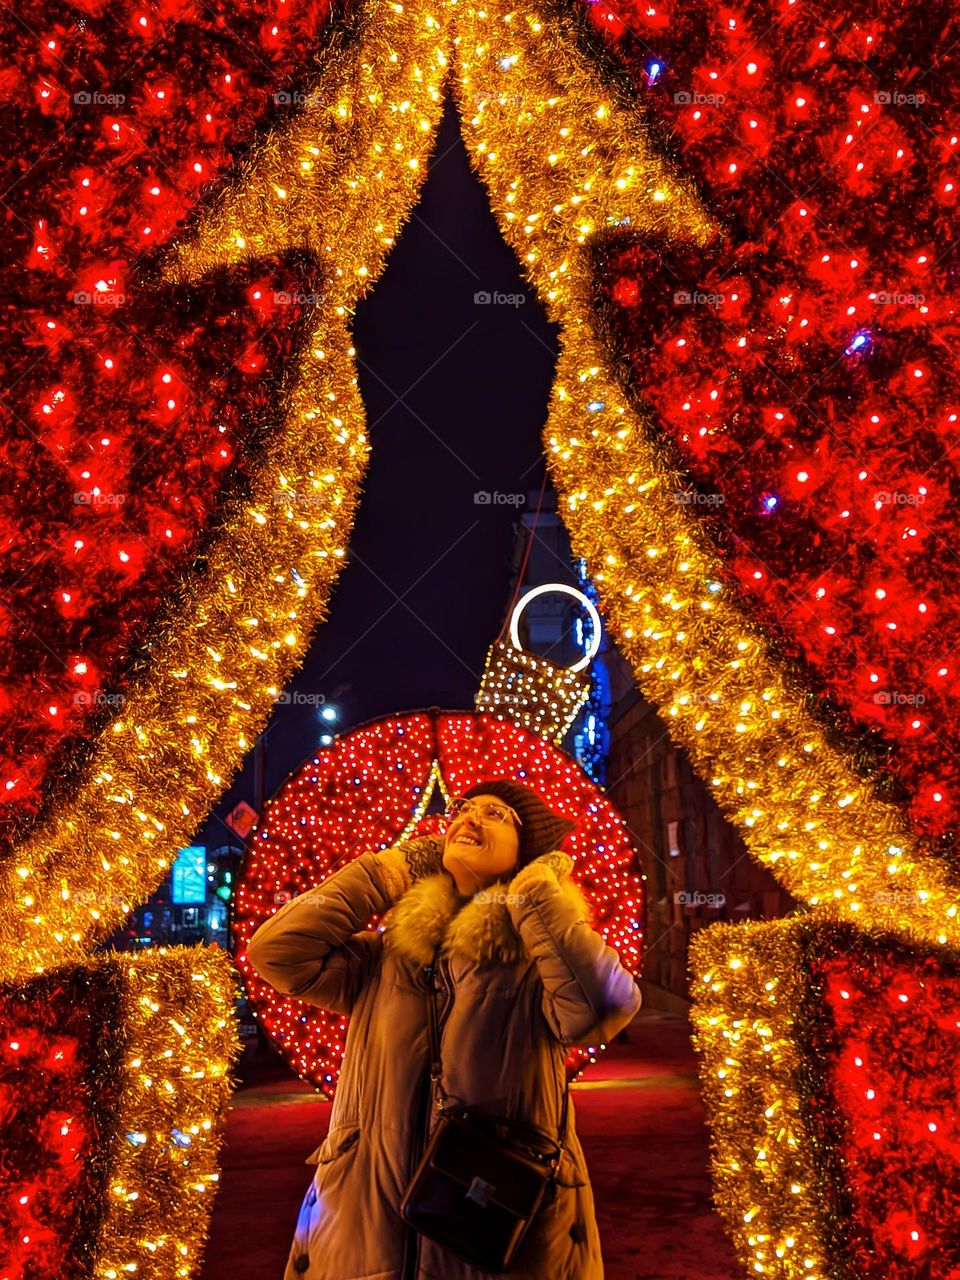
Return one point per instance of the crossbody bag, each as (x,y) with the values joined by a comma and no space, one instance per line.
(482,1179)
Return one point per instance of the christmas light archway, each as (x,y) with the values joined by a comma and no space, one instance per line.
(571,159)
(373,787)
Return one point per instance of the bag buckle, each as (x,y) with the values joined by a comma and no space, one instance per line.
(480,1192)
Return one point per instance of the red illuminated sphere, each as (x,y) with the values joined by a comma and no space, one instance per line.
(364,792)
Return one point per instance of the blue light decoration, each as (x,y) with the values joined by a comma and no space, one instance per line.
(652,72)
(860,344)
(189,876)
(770,502)
(591,732)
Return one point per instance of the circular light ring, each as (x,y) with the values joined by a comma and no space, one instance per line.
(578,596)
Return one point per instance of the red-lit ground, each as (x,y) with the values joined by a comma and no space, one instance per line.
(638,1114)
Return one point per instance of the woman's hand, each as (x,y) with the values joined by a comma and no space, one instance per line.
(553,865)
(423,855)
(588,993)
(410,860)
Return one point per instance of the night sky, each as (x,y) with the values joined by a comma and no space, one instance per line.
(456,397)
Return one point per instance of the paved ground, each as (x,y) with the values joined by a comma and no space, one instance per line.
(639,1117)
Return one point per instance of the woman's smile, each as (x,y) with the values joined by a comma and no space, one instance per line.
(466,833)
(476,851)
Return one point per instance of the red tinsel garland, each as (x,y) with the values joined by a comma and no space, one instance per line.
(59,1099)
(125,412)
(887,1044)
(805,368)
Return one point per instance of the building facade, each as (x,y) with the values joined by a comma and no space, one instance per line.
(696,866)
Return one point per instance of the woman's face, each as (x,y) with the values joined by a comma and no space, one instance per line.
(477,853)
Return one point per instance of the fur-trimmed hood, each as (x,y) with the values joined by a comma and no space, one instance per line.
(480,928)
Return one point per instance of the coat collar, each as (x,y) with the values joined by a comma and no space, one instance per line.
(479,929)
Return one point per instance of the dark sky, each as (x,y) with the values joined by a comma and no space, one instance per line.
(456,396)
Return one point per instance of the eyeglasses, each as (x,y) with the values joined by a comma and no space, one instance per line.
(488,811)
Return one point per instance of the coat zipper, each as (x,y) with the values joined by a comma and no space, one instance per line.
(425,1101)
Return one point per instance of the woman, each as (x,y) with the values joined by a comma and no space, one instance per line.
(521,977)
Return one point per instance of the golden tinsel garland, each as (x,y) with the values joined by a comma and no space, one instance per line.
(564,161)
(180,1044)
(151,1085)
(748,983)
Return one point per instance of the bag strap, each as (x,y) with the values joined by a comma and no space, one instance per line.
(435,1066)
(436,1069)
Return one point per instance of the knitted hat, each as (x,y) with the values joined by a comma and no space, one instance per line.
(542,829)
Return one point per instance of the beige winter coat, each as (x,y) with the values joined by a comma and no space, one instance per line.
(522,976)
